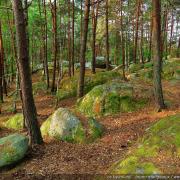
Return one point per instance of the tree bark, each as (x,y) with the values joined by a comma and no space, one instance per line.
(107,34)
(95,9)
(25,75)
(83,49)
(69,38)
(73,17)
(157,57)
(1,67)
(137,29)
(54,23)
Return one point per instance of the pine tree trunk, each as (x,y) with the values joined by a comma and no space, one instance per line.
(95,9)
(54,23)
(107,35)
(46,70)
(137,29)
(157,58)
(83,49)
(1,67)
(69,37)
(25,74)
(73,17)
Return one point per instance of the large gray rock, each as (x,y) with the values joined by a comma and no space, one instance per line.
(63,125)
(12,149)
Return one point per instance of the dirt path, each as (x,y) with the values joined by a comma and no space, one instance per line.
(121,132)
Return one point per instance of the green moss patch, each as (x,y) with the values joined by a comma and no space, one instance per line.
(95,129)
(163,136)
(15,122)
(45,127)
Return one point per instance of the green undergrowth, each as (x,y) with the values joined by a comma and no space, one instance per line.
(163,136)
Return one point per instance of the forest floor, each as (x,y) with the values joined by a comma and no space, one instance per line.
(121,133)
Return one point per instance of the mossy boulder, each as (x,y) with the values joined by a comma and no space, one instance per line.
(133,68)
(95,129)
(63,125)
(68,87)
(45,127)
(161,138)
(109,98)
(12,149)
(15,122)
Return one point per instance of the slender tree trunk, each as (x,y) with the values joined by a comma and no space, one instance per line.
(150,40)
(73,17)
(69,38)
(122,40)
(107,35)
(54,22)
(25,74)
(95,9)
(178,49)
(1,67)
(157,58)
(142,37)
(171,35)
(83,49)
(46,70)
(137,29)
